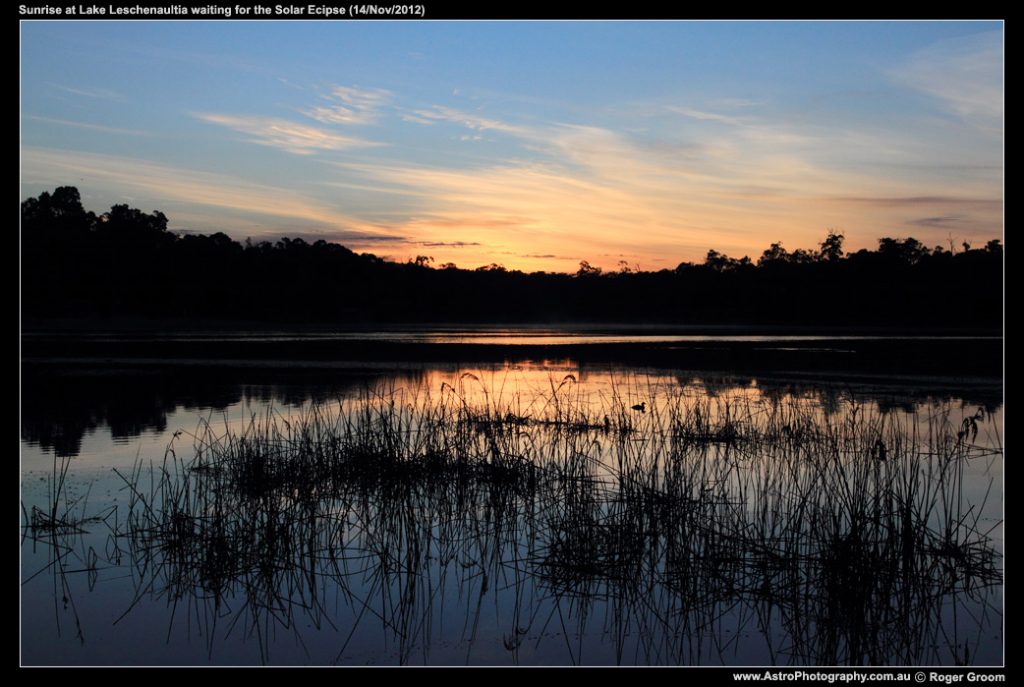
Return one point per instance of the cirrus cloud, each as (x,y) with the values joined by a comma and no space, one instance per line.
(964,73)
(298,139)
(350,105)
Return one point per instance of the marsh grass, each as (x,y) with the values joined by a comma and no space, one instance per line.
(831,538)
(59,529)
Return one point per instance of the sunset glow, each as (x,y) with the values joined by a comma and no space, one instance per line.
(530,144)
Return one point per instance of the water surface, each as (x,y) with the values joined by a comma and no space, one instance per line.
(599,558)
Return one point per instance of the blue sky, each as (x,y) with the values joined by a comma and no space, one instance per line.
(531,144)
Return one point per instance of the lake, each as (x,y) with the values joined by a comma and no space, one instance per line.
(591,498)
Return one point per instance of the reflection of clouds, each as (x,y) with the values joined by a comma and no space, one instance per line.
(59,410)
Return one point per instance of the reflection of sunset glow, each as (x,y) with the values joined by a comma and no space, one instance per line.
(511,342)
(537,391)
(547,474)
(543,336)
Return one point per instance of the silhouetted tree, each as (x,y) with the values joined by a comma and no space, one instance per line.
(909,250)
(832,247)
(720,262)
(126,263)
(774,254)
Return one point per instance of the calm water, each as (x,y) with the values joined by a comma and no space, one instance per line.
(523,335)
(484,571)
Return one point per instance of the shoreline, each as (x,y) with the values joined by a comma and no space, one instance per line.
(912,357)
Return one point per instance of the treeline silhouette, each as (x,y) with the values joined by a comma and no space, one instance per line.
(125,263)
(60,407)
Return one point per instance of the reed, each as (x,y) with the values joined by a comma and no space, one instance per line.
(840,538)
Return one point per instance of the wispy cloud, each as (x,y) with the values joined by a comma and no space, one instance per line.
(290,84)
(917,201)
(349,239)
(548,256)
(599,190)
(730,102)
(706,116)
(292,137)
(176,185)
(361,98)
(371,188)
(663,193)
(469,120)
(89,126)
(339,114)
(942,221)
(350,105)
(452,244)
(964,73)
(101,93)
(416,119)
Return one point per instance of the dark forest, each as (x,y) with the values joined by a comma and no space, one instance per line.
(125,263)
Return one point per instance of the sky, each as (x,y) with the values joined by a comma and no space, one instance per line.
(530,144)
